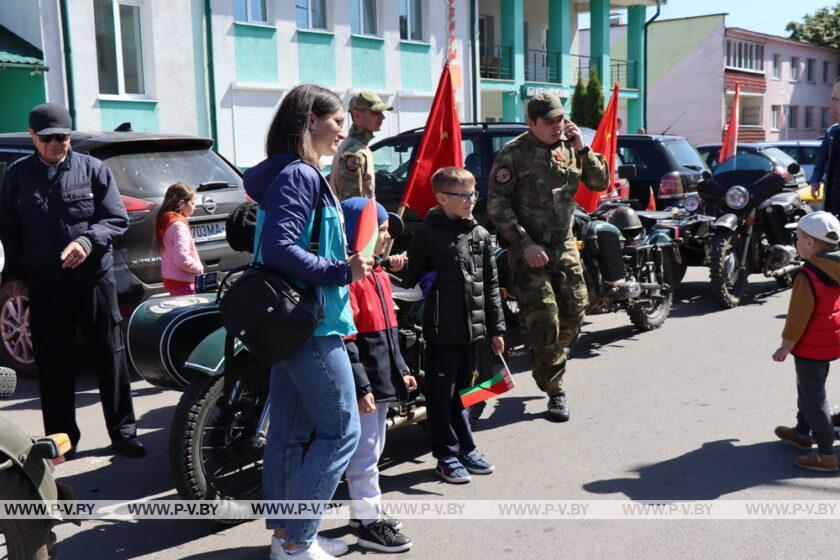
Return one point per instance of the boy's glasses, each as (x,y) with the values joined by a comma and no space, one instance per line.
(47,138)
(465,197)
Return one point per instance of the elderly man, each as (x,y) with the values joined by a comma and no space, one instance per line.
(59,214)
(832,183)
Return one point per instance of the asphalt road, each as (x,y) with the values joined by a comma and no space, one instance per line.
(685,412)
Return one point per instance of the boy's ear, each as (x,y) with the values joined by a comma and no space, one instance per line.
(440,198)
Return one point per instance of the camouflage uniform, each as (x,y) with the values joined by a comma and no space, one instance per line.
(352,171)
(531,201)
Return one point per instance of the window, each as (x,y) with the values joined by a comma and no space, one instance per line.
(252,11)
(750,110)
(311,14)
(411,21)
(363,17)
(744,55)
(777,66)
(794,68)
(809,70)
(792,117)
(809,117)
(824,117)
(119,47)
(774,117)
(825,71)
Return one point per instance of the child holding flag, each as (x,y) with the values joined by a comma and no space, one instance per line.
(381,376)
(462,307)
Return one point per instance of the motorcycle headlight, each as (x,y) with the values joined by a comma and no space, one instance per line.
(691,203)
(737,197)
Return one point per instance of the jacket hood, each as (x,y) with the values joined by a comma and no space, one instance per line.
(258,178)
(829,263)
(436,217)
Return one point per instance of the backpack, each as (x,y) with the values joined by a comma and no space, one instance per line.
(241,226)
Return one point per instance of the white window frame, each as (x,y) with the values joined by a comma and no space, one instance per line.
(361,31)
(249,17)
(777,66)
(145,48)
(774,117)
(746,56)
(410,17)
(794,69)
(309,16)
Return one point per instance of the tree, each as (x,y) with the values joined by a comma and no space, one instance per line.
(594,100)
(579,102)
(821,28)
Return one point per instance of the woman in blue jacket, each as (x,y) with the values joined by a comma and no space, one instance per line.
(312,390)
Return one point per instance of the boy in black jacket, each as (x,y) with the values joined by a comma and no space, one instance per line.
(462,307)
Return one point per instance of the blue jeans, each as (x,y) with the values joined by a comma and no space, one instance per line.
(311,391)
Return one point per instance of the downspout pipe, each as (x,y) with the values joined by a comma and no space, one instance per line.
(68,62)
(211,70)
(647,70)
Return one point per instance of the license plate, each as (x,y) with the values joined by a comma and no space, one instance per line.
(212,231)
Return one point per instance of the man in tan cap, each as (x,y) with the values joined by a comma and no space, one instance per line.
(352,170)
(531,201)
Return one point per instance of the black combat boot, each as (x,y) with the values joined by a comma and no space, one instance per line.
(558,408)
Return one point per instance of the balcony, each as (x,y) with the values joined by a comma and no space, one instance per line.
(624,72)
(496,63)
(542,66)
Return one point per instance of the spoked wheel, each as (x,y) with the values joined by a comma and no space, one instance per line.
(212,452)
(653,308)
(728,277)
(15,335)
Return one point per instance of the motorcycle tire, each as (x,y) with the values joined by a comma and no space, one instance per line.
(8,382)
(204,436)
(24,539)
(727,290)
(648,318)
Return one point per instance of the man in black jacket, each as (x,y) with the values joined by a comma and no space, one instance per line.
(59,214)
(832,184)
(462,307)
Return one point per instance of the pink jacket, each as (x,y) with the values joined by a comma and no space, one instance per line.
(179,258)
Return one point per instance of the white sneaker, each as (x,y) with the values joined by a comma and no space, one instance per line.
(328,548)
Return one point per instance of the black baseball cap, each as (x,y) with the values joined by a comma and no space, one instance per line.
(50,118)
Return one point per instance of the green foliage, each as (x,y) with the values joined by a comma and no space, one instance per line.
(594,100)
(579,103)
(821,28)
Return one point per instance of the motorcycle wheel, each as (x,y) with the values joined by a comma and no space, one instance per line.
(728,281)
(23,539)
(211,454)
(652,316)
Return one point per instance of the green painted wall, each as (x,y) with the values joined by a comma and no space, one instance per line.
(368,56)
(21,92)
(681,37)
(256,53)
(316,57)
(415,64)
(141,114)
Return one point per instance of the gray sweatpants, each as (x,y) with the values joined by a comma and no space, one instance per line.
(813,415)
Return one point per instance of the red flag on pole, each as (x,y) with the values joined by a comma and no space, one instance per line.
(730,141)
(605,143)
(440,146)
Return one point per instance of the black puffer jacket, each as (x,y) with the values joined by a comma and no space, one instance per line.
(464,304)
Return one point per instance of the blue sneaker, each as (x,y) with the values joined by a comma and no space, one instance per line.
(476,463)
(451,470)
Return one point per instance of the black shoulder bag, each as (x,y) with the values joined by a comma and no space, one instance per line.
(270,315)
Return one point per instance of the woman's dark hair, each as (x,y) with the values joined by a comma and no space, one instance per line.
(289,131)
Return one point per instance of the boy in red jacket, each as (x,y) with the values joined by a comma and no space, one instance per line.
(812,335)
(382,380)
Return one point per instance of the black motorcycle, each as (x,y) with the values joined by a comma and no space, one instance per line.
(749,236)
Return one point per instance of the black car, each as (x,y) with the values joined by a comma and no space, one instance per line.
(779,160)
(143,165)
(668,165)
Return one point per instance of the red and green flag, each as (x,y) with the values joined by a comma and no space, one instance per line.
(500,383)
(367,230)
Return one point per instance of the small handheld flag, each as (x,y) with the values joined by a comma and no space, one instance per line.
(500,383)
(367,231)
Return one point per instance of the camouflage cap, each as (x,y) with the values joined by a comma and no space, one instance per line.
(368,101)
(545,106)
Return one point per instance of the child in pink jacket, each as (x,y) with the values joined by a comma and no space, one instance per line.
(179,260)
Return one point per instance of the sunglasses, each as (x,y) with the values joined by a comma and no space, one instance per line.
(47,138)
(465,197)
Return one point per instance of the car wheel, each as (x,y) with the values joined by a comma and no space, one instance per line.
(15,336)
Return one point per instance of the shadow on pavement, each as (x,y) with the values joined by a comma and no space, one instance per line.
(716,469)
(241,553)
(590,343)
(695,298)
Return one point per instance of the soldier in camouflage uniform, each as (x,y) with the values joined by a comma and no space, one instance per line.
(531,202)
(352,170)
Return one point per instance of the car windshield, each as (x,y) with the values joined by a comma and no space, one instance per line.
(149,174)
(685,154)
(744,161)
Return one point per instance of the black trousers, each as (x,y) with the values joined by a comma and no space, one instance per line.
(449,368)
(53,319)
(813,415)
